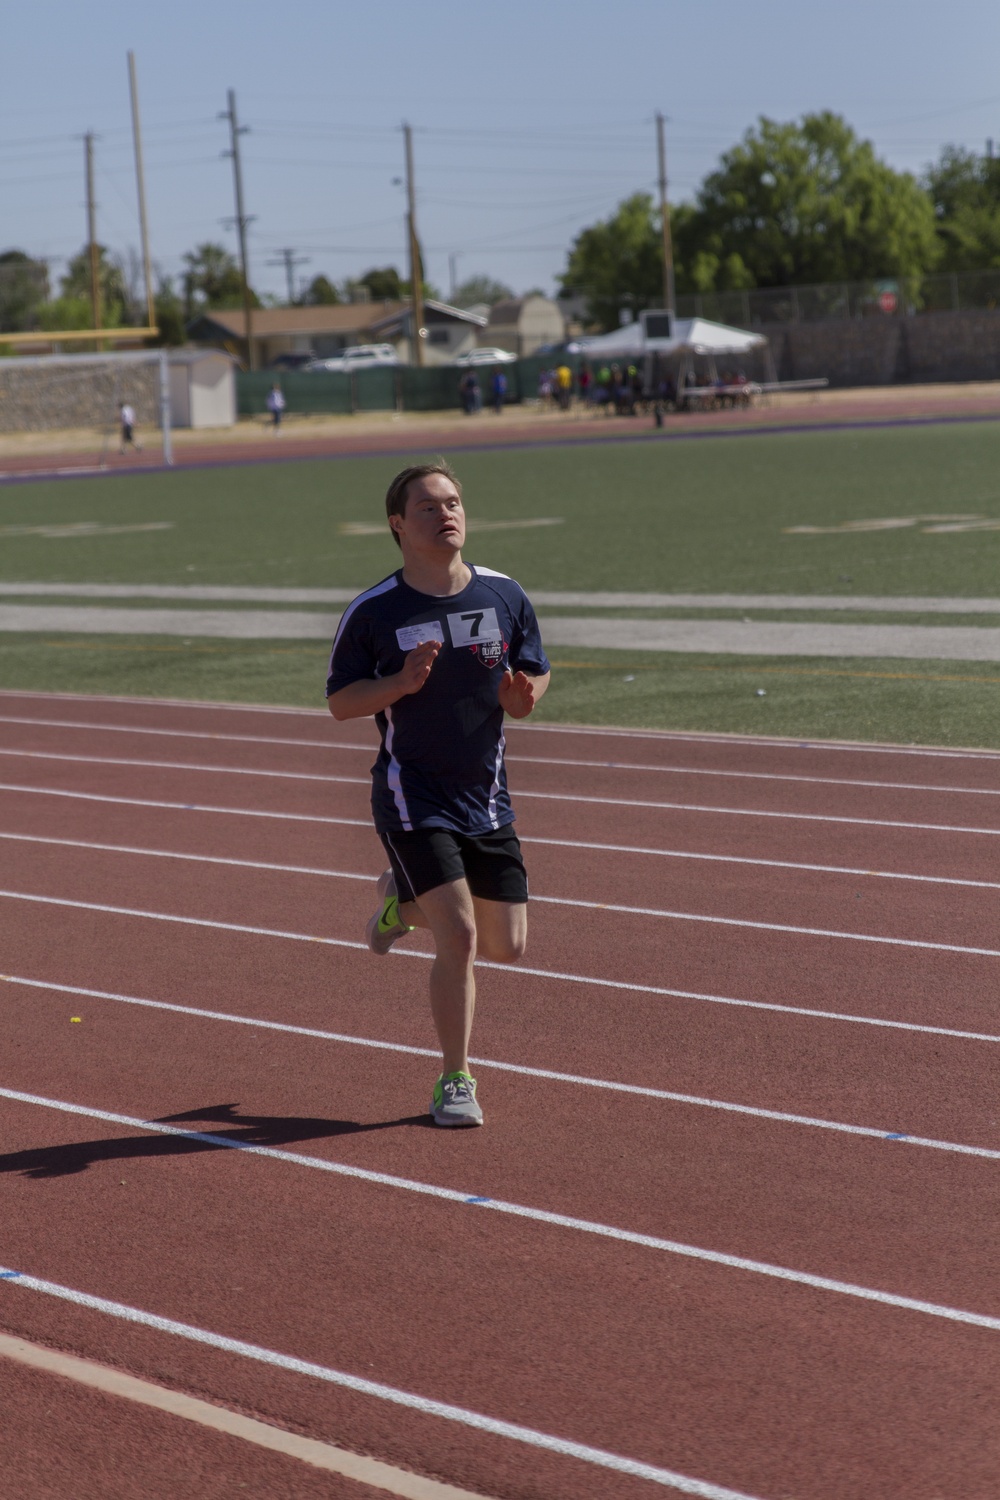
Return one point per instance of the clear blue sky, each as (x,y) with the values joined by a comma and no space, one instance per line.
(531,119)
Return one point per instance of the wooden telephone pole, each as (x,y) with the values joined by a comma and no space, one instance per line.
(235,131)
(668,251)
(416,269)
(141,189)
(95,271)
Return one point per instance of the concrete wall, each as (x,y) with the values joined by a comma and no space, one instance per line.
(937,346)
(43,398)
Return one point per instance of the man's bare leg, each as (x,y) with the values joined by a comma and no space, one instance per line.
(463,925)
(447,912)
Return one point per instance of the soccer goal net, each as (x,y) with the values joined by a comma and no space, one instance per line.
(87,410)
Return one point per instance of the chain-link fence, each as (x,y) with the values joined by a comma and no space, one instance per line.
(846,299)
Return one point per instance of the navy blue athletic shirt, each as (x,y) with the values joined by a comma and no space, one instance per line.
(441,762)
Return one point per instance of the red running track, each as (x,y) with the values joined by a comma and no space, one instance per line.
(730,1229)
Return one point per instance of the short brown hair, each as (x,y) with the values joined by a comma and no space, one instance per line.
(395,495)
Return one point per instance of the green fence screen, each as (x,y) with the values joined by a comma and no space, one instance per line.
(390,388)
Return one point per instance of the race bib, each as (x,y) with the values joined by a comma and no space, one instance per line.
(409,636)
(474,627)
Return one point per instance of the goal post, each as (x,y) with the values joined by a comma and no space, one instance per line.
(72,402)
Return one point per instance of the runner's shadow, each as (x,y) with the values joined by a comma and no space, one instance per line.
(272,1131)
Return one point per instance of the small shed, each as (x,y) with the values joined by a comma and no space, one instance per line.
(523,324)
(202,388)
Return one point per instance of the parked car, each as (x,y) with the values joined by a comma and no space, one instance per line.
(486,357)
(291,361)
(358,357)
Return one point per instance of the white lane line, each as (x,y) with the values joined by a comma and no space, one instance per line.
(178,765)
(520,1211)
(565,1447)
(533,760)
(519,793)
(639,911)
(664,735)
(368,876)
(203,807)
(729,859)
(638,1090)
(318,1455)
(483,963)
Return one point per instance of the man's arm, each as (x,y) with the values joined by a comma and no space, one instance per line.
(519,692)
(370,695)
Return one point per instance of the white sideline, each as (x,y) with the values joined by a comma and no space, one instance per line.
(368,876)
(425,1404)
(319,1455)
(532,760)
(644,911)
(733,859)
(642,1091)
(775,742)
(520,1211)
(520,793)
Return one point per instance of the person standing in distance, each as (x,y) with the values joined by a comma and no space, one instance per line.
(438,652)
(126,416)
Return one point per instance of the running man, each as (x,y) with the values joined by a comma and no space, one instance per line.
(439,651)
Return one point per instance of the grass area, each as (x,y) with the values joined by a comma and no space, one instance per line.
(912,702)
(707,517)
(710,517)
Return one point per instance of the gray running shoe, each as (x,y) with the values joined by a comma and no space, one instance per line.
(454,1101)
(385,926)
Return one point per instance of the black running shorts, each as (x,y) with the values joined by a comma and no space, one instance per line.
(428,857)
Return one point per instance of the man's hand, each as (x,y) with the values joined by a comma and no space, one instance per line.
(517,694)
(417,665)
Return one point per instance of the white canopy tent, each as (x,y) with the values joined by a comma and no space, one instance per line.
(691,335)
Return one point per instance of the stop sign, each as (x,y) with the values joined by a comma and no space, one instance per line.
(887,301)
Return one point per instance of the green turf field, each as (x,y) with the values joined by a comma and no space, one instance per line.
(710,515)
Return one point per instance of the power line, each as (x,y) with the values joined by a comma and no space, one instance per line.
(289,260)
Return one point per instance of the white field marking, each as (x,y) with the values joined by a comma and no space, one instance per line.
(734,859)
(529,760)
(367,877)
(647,989)
(746,812)
(546,598)
(318,1455)
(485,963)
(641,911)
(772,742)
(516,1210)
(583,1080)
(565,1447)
(239,812)
(549,900)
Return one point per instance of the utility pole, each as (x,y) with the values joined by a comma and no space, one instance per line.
(95,278)
(141,189)
(290,260)
(668,252)
(416,270)
(453,274)
(235,131)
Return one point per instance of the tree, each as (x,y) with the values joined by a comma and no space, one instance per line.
(75,290)
(383,285)
(24,285)
(321,292)
(618,263)
(212,279)
(480,289)
(169,313)
(809,202)
(965,191)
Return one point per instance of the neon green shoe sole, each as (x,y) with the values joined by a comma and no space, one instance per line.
(384,928)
